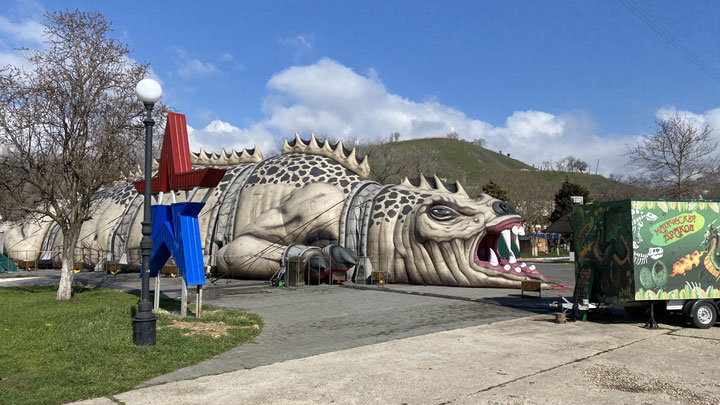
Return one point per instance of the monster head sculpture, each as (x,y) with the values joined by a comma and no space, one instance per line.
(425,231)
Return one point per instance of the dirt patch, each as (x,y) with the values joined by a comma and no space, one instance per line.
(213,329)
(621,378)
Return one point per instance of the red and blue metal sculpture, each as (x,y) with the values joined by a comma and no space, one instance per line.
(176,231)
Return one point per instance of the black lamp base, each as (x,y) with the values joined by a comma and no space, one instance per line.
(144,325)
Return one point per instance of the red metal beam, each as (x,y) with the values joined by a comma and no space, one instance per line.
(175,170)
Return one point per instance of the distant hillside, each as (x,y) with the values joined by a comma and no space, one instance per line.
(464,155)
(531,189)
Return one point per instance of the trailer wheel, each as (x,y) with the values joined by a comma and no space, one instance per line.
(704,314)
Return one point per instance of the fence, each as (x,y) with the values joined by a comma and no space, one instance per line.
(296,270)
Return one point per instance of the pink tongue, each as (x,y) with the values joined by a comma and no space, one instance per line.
(534,274)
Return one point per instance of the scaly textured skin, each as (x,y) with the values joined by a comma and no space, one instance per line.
(314,196)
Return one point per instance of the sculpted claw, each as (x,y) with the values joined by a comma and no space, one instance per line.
(317,264)
(340,258)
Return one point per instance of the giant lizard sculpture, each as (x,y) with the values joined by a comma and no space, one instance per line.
(315,201)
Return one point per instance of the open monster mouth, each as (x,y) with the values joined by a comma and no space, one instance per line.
(499,249)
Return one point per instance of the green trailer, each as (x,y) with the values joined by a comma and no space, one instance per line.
(640,253)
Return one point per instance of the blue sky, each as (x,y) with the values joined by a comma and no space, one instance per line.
(539,80)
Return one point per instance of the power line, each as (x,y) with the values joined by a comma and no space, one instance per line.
(694,58)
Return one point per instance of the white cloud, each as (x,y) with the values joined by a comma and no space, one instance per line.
(15,59)
(332,99)
(710,117)
(219,134)
(194,67)
(189,67)
(535,137)
(299,45)
(27,30)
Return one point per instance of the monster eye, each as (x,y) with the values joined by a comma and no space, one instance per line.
(442,213)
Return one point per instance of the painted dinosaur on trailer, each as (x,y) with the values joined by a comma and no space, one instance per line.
(314,200)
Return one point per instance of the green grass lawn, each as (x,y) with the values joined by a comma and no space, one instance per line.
(55,352)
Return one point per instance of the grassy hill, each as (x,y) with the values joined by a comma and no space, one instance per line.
(465,155)
(474,166)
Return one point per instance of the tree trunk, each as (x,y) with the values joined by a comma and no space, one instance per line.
(64,291)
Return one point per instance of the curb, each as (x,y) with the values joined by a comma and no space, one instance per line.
(539,305)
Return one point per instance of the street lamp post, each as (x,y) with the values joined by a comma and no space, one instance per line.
(148,92)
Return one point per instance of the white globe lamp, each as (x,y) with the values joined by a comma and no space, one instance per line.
(148,91)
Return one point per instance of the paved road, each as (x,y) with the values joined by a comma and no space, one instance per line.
(362,344)
(312,320)
(530,360)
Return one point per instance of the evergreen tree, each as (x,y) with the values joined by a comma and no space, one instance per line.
(494,190)
(562,198)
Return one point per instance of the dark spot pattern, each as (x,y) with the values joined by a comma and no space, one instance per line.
(299,170)
(395,204)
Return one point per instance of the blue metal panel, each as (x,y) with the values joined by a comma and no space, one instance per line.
(176,232)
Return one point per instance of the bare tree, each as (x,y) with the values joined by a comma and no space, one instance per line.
(622,187)
(567,164)
(576,165)
(391,163)
(481,142)
(69,126)
(678,157)
(322,137)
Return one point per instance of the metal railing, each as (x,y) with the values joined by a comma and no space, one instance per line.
(297,271)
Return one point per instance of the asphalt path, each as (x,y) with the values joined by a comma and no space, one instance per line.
(311,320)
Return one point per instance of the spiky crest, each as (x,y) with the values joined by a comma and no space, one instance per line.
(338,153)
(224,158)
(203,158)
(435,183)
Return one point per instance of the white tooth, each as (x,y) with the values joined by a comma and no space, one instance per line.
(506,237)
(506,267)
(517,269)
(532,267)
(517,242)
(515,229)
(512,258)
(521,231)
(493,258)
(523,264)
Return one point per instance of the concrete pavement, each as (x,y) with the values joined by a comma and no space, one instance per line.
(430,345)
(529,360)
